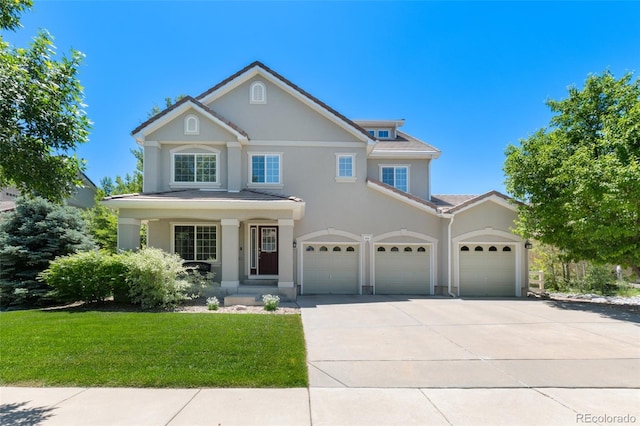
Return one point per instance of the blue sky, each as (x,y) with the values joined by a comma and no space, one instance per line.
(468,77)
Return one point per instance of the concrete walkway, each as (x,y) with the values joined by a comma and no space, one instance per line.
(397,361)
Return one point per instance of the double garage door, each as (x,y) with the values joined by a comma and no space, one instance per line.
(487,270)
(402,269)
(330,269)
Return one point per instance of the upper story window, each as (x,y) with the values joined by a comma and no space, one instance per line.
(265,168)
(258,93)
(191,125)
(345,168)
(396,176)
(194,167)
(383,134)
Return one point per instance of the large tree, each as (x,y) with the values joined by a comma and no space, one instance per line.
(42,119)
(579,179)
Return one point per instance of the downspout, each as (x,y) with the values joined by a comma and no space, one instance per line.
(450,257)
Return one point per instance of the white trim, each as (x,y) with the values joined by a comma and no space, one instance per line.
(128,221)
(305,144)
(194,224)
(394,167)
(188,105)
(428,240)
(352,156)
(247,244)
(512,240)
(401,154)
(253,95)
(190,150)
(251,184)
(493,198)
(187,129)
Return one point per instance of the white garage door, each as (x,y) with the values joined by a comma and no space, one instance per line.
(330,269)
(402,269)
(487,270)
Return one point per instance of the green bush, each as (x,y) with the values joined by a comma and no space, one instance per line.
(156,279)
(90,276)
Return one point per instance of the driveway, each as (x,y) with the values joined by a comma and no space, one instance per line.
(399,342)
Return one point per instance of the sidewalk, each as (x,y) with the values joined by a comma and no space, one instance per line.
(317,406)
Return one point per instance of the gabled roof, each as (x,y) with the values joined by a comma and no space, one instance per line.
(258,67)
(402,196)
(456,203)
(178,108)
(404,146)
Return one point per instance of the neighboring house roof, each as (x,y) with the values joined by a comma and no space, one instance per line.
(178,108)
(208,95)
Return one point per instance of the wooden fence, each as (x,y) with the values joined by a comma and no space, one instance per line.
(536,281)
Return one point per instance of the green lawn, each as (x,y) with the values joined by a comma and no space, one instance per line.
(95,348)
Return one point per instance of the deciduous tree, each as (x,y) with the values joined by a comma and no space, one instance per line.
(579,179)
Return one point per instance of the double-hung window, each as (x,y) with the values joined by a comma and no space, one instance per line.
(266,169)
(345,168)
(200,168)
(396,176)
(196,242)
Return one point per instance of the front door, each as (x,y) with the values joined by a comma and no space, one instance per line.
(267,250)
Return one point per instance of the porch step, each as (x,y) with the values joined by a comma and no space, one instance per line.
(243,299)
(262,282)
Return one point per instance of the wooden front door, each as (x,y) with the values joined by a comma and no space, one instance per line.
(267,250)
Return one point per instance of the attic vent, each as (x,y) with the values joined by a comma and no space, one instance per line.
(258,93)
(191,125)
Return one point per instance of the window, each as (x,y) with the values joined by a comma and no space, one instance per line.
(323,248)
(381,249)
(464,248)
(265,168)
(258,93)
(493,248)
(408,249)
(421,249)
(195,168)
(337,248)
(345,168)
(191,125)
(350,249)
(394,249)
(506,248)
(383,134)
(478,248)
(310,248)
(396,176)
(195,242)
(372,133)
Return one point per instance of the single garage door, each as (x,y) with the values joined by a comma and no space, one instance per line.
(402,269)
(487,270)
(330,269)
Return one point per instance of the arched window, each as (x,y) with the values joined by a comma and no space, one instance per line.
(350,249)
(478,248)
(408,249)
(310,248)
(191,125)
(381,249)
(258,93)
(323,248)
(493,248)
(506,248)
(464,248)
(421,250)
(337,248)
(394,249)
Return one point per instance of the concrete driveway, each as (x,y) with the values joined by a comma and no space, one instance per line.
(396,342)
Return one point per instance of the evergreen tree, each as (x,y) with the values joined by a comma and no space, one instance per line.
(35,233)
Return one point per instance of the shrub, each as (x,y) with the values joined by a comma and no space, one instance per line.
(270,302)
(213,303)
(156,279)
(90,276)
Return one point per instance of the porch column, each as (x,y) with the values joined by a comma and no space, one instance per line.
(128,233)
(285,253)
(230,253)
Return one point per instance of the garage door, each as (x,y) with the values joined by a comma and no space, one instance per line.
(402,269)
(487,270)
(330,269)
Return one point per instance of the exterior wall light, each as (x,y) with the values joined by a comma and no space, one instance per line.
(528,245)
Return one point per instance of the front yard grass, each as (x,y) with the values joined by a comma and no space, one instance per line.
(131,349)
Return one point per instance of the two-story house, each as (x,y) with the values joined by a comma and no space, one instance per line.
(263,181)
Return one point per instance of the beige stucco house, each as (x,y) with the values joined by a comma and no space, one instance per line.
(279,192)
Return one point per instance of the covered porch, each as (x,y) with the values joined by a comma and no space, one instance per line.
(246,237)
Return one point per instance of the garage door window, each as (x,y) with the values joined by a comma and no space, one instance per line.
(478,248)
(421,249)
(493,248)
(506,248)
(381,249)
(323,248)
(350,249)
(408,249)
(336,248)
